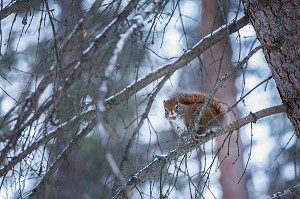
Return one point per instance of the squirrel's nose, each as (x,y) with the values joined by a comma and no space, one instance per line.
(172,118)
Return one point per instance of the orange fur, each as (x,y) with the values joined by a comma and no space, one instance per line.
(185,105)
(193,97)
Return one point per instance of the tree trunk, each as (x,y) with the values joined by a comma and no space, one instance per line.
(278,29)
(68,178)
(217,62)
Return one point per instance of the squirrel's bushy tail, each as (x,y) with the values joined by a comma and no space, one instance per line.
(193,97)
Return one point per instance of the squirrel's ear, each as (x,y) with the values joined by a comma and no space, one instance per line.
(164,102)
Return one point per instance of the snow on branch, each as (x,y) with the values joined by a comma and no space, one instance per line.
(290,193)
(236,69)
(138,22)
(81,26)
(186,147)
(183,60)
(109,30)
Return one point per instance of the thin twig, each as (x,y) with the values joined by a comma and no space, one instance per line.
(255,87)
(236,69)
(183,60)
(37,190)
(184,148)
(45,139)
(141,122)
(81,26)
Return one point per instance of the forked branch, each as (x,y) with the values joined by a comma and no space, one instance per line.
(183,148)
(182,61)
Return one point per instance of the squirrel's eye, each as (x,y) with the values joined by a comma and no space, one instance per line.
(166,110)
(176,107)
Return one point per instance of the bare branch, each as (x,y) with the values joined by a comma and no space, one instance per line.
(239,67)
(15,7)
(187,57)
(81,27)
(104,38)
(141,122)
(184,148)
(62,157)
(44,140)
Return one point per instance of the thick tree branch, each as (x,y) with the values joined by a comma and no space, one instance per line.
(184,148)
(187,57)
(289,193)
(15,7)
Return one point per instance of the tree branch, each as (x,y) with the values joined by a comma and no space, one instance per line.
(184,148)
(105,36)
(36,192)
(236,69)
(81,26)
(44,140)
(29,107)
(289,193)
(15,7)
(141,122)
(187,57)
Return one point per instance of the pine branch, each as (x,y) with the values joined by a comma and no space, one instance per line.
(289,193)
(182,61)
(15,7)
(183,148)
(37,191)
(59,130)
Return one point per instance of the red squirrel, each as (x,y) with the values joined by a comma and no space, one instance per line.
(181,107)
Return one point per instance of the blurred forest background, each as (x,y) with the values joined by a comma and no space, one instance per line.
(82,84)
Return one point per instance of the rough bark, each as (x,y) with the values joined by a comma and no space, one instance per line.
(277,27)
(17,6)
(289,193)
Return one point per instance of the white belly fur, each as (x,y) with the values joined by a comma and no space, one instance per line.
(179,123)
